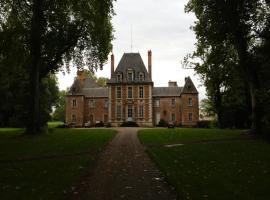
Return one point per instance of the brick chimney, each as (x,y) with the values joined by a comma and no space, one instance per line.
(81,77)
(112,65)
(172,84)
(150,64)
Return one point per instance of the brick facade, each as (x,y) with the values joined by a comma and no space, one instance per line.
(130,96)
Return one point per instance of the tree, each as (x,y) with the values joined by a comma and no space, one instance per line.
(238,27)
(59,113)
(60,32)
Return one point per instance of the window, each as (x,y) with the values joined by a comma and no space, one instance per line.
(173,102)
(141,91)
(189,101)
(129,92)
(190,117)
(91,119)
(130,75)
(119,77)
(118,112)
(141,76)
(106,118)
(157,103)
(106,103)
(91,103)
(130,111)
(74,103)
(141,111)
(118,92)
(173,117)
(73,118)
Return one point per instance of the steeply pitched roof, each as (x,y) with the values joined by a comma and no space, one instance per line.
(95,92)
(131,61)
(90,83)
(167,91)
(189,87)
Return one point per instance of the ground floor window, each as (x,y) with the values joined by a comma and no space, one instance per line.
(141,111)
(118,112)
(91,119)
(173,117)
(190,115)
(73,118)
(105,118)
(130,111)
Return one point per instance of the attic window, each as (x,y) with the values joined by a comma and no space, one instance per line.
(130,75)
(141,76)
(119,77)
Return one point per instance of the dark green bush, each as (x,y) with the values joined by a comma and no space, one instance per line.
(129,124)
(203,124)
(162,123)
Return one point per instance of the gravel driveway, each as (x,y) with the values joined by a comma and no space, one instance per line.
(124,171)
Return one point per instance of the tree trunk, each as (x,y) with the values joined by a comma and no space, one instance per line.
(248,69)
(34,125)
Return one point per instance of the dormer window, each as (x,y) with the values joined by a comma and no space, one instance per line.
(119,77)
(130,75)
(141,76)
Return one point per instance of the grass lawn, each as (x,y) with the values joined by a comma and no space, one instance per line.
(211,163)
(45,166)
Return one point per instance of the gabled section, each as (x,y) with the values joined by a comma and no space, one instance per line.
(189,87)
(130,69)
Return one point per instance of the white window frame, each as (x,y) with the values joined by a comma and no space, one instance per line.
(141,92)
(74,103)
(190,101)
(130,92)
(141,111)
(118,91)
(190,117)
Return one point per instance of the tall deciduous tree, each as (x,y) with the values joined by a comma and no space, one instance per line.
(239,27)
(51,34)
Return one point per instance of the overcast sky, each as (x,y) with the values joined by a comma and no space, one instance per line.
(158,25)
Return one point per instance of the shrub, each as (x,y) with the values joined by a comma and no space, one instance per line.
(129,124)
(162,123)
(203,124)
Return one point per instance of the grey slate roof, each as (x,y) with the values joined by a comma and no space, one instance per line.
(95,92)
(131,61)
(167,91)
(90,83)
(189,87)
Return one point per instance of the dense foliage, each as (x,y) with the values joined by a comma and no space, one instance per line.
(233,43)
(39,37)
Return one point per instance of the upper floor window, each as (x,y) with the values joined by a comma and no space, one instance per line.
(141,92)
(130,75)
(74,103)
(173,102)
(157,102)
(129,92)
(141,76)
(118,92)
(119,77)
(190,116)
(91,103)
(106,103)
(189,101)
